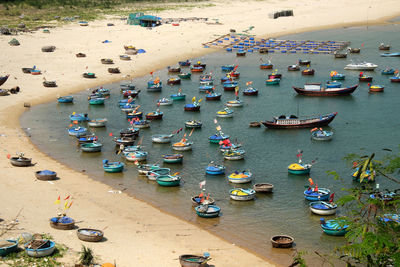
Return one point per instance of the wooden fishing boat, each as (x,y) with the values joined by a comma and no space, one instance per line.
(154,86)
(205,88)
(36,72)
(161,138)
(106,61)
(361,66)
(225,113)
(192,107)
(141,124)
(383,46)
(216,138)
(255,124)
(266,66)
(40,248)
(250,91)
(275,76)
(26,70)
(80,55)
(364,78)
(395,79)
(323,208)
(196,69)
(130,93)
(89,75)
(49,84)
(144,169)
(76,131)
(97,122)
(293,122)
(48,48)
(128,107)
(135,155)
(174,81)
(293,68)
(338,76)
(215,169)
(164,102)
(340,55)
(229,86)
(263,187)
(62,223)
(103,91)
(155,115)
(173,69)
(304,62)
(91,147)
(234,103)
(65,99)
(397,54)
(242,194)
(240,177)
(178,96)
(376,88)
(207,211)
(388,71)
(124,57)
(185,75)
(113,70)
(227,68)
(127,86)
(184,63)
(321,135)
(134,115)
(206,79)
(153,174)
(90,235)
(354,50)
(172,158)
(46,175)
(182,145)
(234,74)
(84,139)
(336,227)
(240,53)
(274,81)
(201,199)
(299,168)
(282,241)
(308,72)
(316,89)
(317,194)
(213,96)
(193,124)
(168,180)
(8,246)
(112,167)
(97,101)
(126,141)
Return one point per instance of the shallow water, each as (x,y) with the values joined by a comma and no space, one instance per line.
(365,123)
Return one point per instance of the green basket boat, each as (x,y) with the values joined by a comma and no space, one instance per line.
(113,167)
(96,101)
(207,211)
(168,180)
(178,96)
(8,246)
(185,75)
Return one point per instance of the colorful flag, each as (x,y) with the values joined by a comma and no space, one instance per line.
(202,183)
(311,181)
(193,99)
(218,128)
(362,45)
(66,205)
(57,201)
(215,121)
(191,132)
(110,134)
(235,68)
(67,197)
(8,156)
(151,72)
(70,204)
(331,197)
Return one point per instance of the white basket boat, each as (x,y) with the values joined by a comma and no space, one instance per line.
(242,194)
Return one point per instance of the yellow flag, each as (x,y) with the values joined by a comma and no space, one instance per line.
(193,99)
(57,201)
(218,128)
(65,205)
(73,113)
(200,100)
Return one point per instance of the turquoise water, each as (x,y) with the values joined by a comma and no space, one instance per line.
(365,123)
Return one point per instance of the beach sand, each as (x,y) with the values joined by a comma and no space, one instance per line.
(137,234)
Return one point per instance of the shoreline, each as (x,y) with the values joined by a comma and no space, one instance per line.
(12,122)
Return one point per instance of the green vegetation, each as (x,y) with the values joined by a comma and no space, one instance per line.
(40,13)
(86,256)
(370,241)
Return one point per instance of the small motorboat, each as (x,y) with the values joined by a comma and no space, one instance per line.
(97,101)
(129,132)
(282,241)
(337,54)
(240,53)
(164,102)
(174,69)
(135,155)
(208,211)
(196,69)
(227,68)
(168,180)
(112,167)
(154,86)
(234,103)
(153,174)
(184,63)
(193,124)
(161,138)
(144,169)
(46,175)
(216,138)
(97,122)
(185,75)
(337,76)
(395,79)
(242,194)
(317,194)
(225,113)
(293,67)
(229,86)
(354,50)
(383,46)
(127,86)
(83,139)
(79,117)
(234,154)
(266,66)
(178,96)
(124,57)
(141,123)
(89,75)
(226,145)
(273,81)
(91,147)
(125,141)
(323,208)
(333,84)
(205,88)
(263,188)
(386,197)
(321,135)
(250,91)
(215,169)
(304,62)
(40,248)
(388,71)
(173,81)
(65,99)
(77,130)
(130,93)
(337,227)
(172,158)
(308,72)
(213,96)
(275,75)
(155,115)
(192,107)
(240,177)
(376,88)
(364,78)
(361,66)
(182,145)
(8,246)
(397,54)
(89,235)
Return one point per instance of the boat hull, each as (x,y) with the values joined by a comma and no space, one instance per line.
(7,250)
(41,252)
(326,211)
(326,92)
(309,123)
(212,211)
(299,172)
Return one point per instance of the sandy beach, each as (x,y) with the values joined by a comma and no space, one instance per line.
(137,234)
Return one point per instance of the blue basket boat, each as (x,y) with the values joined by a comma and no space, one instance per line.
(168,180)
(299,168)
(65,99)
(321,194)
(77,131)
(7,249)
(208,211)
(96,101)
(185,63)
(205,88)
(153,174)
(45,249)
(173,158)
(79,117)
(227,68)
(323,208)
(387,71)
(321,135)
(333,84)
(337,227)
(215,169)
(91,147)
(216,138)
(112,166)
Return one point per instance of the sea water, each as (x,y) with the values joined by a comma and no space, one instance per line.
(365,123)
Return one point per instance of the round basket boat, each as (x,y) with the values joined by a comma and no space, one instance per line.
(282,241)
(45,175)
(21,161)
(48,48)
(90,235)
(263,188)
(27,70)
(89,75)
(187,260)
(114,70)
(80,55)
(49,84)
(107,61)
(62,226)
